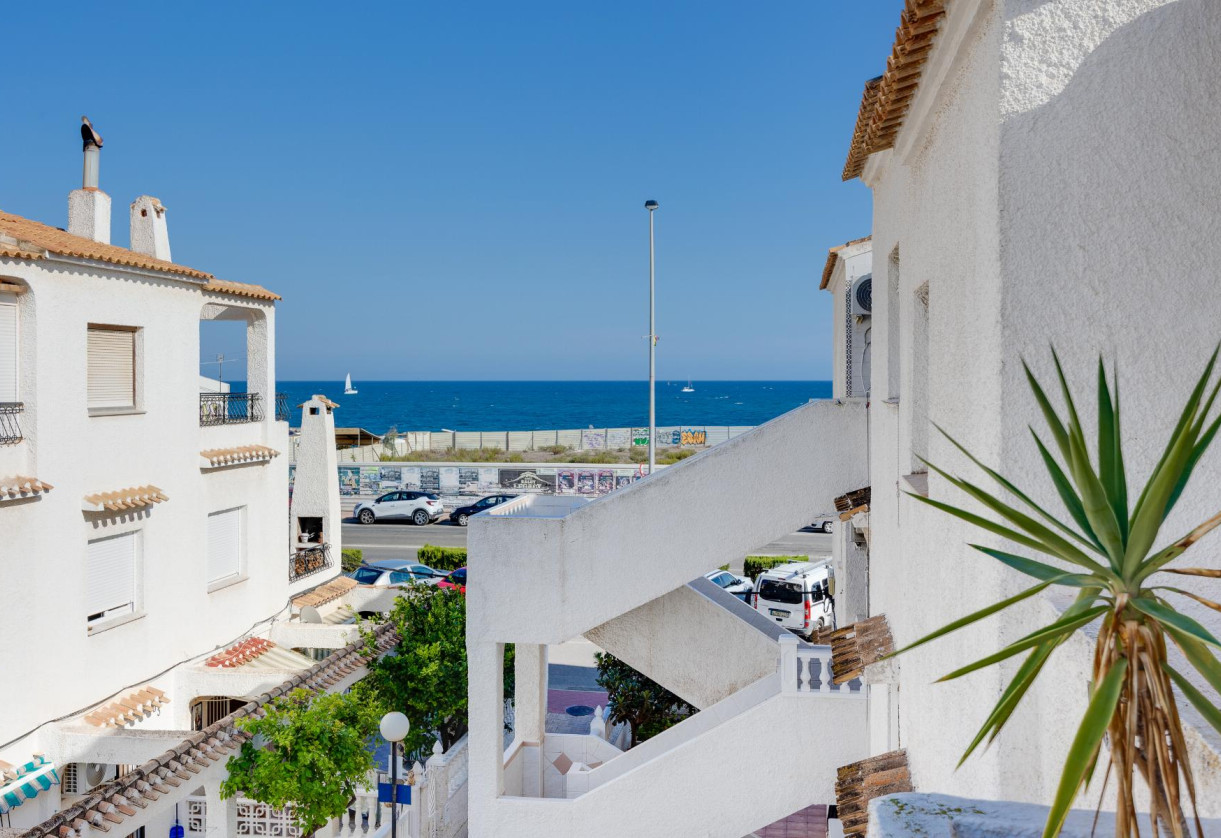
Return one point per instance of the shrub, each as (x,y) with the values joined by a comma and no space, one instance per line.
(516,457)
(754,565)
(553,449)
(351,559)
(442,558)
(673,455)
(649,707)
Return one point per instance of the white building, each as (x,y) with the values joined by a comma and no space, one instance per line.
(1042,173)
(151,576)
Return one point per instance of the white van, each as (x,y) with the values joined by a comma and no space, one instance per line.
(798,596)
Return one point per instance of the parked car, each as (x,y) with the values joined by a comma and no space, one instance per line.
(823,525)
(798,596)
(457,579)
(417,507)
(460,515)
(395,572)
(739,586)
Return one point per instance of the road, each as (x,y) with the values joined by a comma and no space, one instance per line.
(401,540)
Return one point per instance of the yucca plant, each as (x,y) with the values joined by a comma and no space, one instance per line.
(1104,552)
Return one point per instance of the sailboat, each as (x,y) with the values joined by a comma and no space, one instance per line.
(348,390)
(688,388)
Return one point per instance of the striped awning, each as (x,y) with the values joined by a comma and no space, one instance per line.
(22,783)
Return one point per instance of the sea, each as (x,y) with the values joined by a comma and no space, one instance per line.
(551,405)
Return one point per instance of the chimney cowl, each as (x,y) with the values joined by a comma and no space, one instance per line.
(149,232)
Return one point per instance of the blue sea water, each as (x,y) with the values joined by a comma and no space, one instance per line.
(549,405)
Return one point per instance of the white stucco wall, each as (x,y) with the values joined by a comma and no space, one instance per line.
(1048,185)
(42,553)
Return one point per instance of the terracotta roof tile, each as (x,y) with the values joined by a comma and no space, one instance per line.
(887,98)
(130,708)
(130,498)
(21,238)
(832,256)
(325,593)
(218,457)
(241,653)
(858,645)
(14,488)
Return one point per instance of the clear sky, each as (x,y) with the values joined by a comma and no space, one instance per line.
(455,190)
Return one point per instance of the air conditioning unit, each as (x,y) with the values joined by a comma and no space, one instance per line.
(82,777)
(862,296)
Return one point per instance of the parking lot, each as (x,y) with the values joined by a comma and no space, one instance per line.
(400,540)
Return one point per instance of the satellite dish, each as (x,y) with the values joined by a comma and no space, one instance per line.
(309,614)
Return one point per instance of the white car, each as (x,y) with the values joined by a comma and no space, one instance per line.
(798,596)
(739,586)
(417,507)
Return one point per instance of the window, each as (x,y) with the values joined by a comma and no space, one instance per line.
(367,575)
(8,348)
(225,546)
(110,578)
(784,592)
(112,368)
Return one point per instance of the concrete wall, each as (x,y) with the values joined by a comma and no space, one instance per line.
(546,580)
(1048,188)
(42,553)
(697,643)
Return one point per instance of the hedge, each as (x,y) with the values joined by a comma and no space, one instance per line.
(754,565)
(351,559)
(442,558)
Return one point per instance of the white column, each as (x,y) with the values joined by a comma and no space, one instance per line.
(788,663)
(530,692)
(485,677)
(222,814)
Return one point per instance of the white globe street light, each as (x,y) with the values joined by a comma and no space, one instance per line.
(394,728)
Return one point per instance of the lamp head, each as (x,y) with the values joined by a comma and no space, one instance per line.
(394,727)
(650,205)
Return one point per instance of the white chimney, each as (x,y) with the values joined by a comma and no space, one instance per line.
(89,206)
(149,234)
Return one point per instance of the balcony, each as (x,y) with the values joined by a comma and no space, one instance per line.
(281,407)
(10,428)
(229,408)
(306,561)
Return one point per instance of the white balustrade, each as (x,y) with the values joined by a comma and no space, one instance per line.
(808,671)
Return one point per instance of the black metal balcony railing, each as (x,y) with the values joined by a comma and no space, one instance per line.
(281,407)
(229,408)
(10,428)
(308,560)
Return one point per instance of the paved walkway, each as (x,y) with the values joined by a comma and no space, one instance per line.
(810,822)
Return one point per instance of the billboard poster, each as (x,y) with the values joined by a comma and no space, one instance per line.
(430,480)
(468,481)
(411,477)
(369,481)
(640,436)
(592,438)
(390,477)
(565,481)
(349,480)
(587,482)
(622,479)
(448,479)
(528,480)
(489,480)
(606,481)
(619,437)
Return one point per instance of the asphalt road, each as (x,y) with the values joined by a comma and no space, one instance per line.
(401,540)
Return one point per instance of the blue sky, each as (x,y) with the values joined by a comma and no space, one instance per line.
(455,190)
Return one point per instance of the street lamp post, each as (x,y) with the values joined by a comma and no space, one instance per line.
(394,727)
(652,205)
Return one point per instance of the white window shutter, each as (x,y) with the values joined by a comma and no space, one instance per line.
(8,352)
(224,544)
(112,367)
(110,576)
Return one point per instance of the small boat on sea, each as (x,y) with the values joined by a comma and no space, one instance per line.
(688,388)
(348,390)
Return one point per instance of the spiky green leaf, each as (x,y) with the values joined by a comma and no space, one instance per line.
(1110,451)
(1062,627)
(1168,617)
(1068,495)
(1198,655)
(1085,745)
(1039,570)
(1198,700)
(1012,696)
(1058,432)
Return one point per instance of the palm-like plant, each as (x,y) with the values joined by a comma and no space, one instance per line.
(1105,554)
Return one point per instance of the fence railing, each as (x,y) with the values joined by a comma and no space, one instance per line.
(229,408)
(281,407)
(808,671)
(10,428)
(308,561)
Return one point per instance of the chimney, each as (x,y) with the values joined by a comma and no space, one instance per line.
(149,234)
(89,207)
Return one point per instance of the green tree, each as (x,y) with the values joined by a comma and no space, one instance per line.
(313,751)
(425,677)
(649,707)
